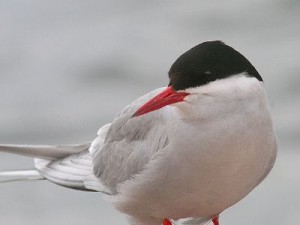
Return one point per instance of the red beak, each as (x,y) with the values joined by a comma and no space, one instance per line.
(167,97)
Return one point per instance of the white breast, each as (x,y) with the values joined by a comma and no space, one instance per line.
(222,145)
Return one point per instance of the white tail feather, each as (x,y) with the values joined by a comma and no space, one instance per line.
(74,171)
(69,166)
(10,176)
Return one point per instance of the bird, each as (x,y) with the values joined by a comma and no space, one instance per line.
(182,153)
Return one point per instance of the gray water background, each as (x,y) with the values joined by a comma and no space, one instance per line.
(67,67)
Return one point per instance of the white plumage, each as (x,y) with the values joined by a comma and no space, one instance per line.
(186,161)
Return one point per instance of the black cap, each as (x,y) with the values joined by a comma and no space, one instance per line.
(206,62)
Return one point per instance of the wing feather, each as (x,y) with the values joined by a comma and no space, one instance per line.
(71,171)
(130,143)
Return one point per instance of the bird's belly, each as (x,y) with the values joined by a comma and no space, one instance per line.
(200,179)
(208,183)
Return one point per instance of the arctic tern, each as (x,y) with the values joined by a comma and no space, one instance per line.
(182,153)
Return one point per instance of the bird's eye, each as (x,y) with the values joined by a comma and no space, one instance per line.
(208,72)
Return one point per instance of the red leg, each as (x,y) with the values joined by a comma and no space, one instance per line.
(215,220)
(167,222)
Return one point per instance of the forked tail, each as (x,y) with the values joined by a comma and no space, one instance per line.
(69,166)
(10,176)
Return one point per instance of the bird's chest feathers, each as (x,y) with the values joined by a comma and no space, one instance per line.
(229,139)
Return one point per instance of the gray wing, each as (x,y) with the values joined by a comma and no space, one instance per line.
(129,145)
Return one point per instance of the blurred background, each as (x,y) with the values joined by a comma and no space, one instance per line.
(68,67)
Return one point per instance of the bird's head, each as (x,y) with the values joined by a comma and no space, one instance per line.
(202,64)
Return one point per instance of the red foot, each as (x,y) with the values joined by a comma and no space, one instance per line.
(216,220)
(167,222)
